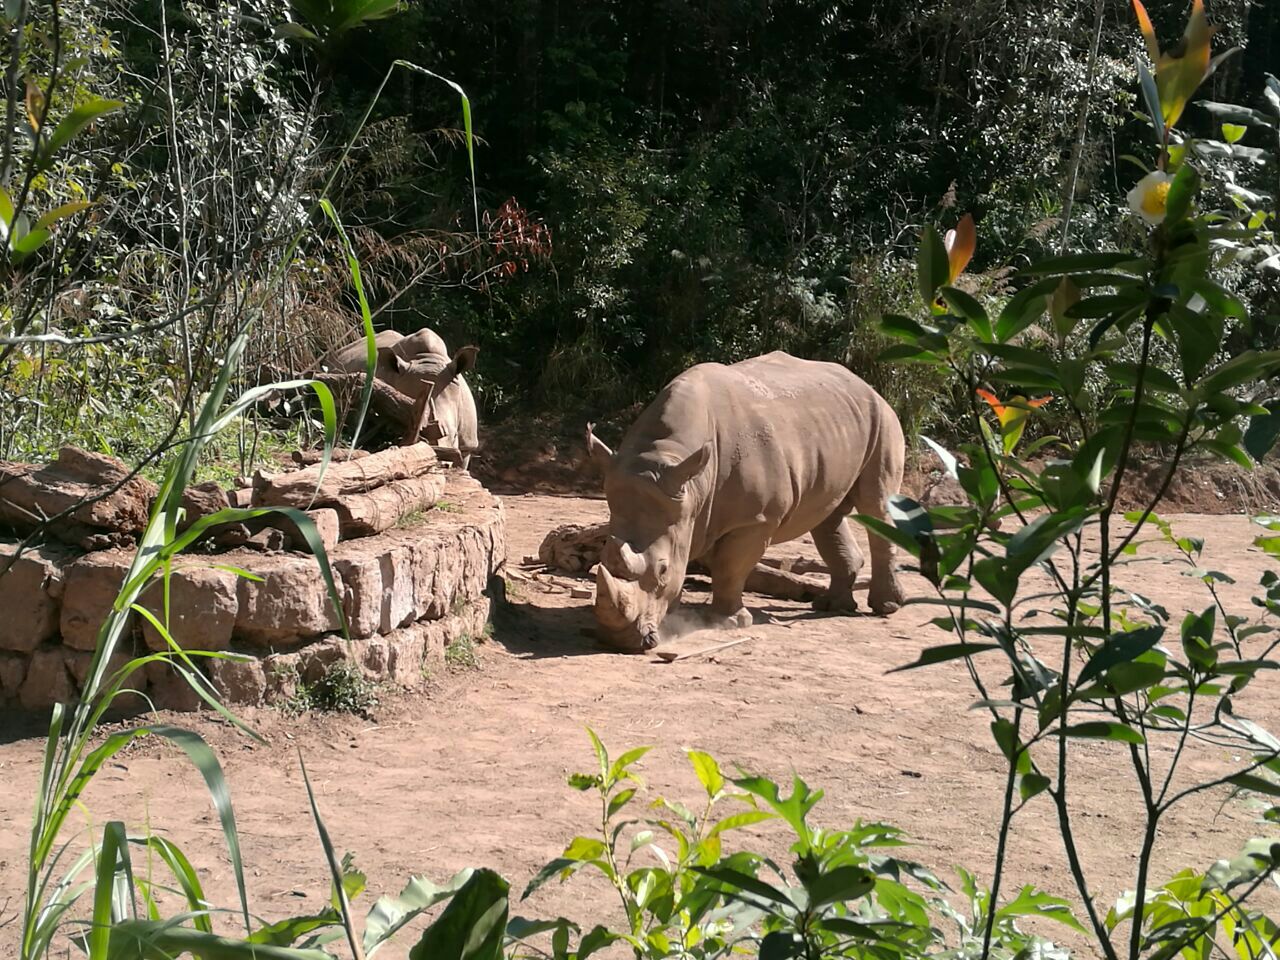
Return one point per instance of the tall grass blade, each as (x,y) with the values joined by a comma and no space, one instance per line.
(340,890)
(106,906)
(366,317)
(185,874)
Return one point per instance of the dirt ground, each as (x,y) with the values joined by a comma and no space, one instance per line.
(473,772)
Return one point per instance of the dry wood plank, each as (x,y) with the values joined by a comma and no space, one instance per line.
(341,480)
(364,514)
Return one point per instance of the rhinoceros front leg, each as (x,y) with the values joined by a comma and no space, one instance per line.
(839,550)
(732,560)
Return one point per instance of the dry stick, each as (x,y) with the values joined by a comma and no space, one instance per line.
(1082,124)
(670,656)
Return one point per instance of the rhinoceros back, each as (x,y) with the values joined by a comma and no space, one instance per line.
(790,439)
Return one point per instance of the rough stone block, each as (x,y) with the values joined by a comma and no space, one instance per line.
(203,603)
(399,605)
(29,591)
(47,681)
(290,603)
(169,690)
(93,583)
(78,665)
(315,659)
(239,681)
(13,668)
(358,567)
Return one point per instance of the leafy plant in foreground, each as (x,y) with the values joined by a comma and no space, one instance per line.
(1089,659)
(845,894)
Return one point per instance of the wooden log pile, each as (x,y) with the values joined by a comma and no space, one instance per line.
(369,493)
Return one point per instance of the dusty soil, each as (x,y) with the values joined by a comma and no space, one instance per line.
(474,773)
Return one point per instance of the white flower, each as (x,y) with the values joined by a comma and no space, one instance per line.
(1150,196)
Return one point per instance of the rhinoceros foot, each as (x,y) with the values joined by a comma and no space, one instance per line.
(886,602)
(836,602)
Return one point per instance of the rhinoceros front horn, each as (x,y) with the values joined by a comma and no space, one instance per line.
(632,562)
(609,600)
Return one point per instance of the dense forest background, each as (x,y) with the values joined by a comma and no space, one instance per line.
(658,184)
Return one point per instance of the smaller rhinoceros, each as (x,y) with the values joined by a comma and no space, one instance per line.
(730,459)
(419,366)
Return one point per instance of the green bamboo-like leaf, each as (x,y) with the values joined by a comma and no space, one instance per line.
(61,213)
(74,122)
(472,926)
(1104,730)
(932,265)
(1120,648)
(389,914)
(167,939)
(1080,263)
(949,651)
(335,871)
(185,874)
(113,855)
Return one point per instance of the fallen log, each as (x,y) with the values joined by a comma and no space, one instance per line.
(305,488)
(574,547)
(386,401)
(307,458)
(364,514)
(79,483)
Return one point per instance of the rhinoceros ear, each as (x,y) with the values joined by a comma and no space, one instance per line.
(598,452)
(674,478)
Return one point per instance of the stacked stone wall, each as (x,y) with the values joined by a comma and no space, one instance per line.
(406,593)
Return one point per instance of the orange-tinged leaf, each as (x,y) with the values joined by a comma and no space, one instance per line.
(1181,70)
(1040,402)
(991,400)
(1148,31)
(960,244)
(35,104)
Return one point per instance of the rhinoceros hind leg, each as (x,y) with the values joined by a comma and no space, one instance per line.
(871,496)
(840,552)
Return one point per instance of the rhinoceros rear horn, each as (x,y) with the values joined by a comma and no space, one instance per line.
(632,562)
(674,478)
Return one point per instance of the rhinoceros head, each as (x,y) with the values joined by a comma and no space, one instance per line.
(641,571)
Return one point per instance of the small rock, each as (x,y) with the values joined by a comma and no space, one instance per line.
(269,540)
(580,593)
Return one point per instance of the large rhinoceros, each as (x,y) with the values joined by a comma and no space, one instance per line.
(409,363)
(726,461)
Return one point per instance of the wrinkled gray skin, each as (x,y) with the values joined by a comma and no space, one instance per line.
(726,461)
(408,364)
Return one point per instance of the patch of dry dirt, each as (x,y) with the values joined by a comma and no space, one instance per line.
(474,773)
